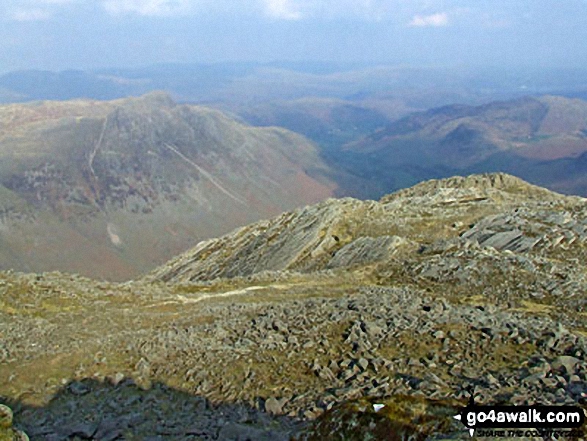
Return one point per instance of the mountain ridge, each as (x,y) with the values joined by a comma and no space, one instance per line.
(94,170)
(541,139)
(325,235)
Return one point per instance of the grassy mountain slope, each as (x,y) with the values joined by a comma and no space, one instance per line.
(111,189)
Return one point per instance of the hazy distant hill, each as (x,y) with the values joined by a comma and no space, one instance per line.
(110,189)
(417,88)
(328,121)
(541,139)
(113,188)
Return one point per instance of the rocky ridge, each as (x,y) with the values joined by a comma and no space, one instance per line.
(88,173)
(409,301)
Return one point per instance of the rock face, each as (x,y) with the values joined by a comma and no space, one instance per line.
(509,214)
(303,238)
(297,326)
(128,184)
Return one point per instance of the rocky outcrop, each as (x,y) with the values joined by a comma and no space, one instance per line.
(391,419)
(501,211)
(460,189)
(303,239)
(298,325)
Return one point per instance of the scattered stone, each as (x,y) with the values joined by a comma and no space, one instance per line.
(241,432)
(82,430)
(565,362)
(401,417)
(363,364)
(438,334)
(5,416)
(481,309)
(78,388)
(274,406)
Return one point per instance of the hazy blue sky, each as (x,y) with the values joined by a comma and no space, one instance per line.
(61,34)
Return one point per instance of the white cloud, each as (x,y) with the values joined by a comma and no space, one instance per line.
(287,10)
(31,10)
(33,14)
(151,8)
(299,9)
(282,9)
(56,2)
(435,20)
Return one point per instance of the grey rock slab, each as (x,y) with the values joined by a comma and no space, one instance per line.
(565,362)
(110,429)
(83,430)
(366,250)
(578,390)
(274,406)
(363,364)
(502,241)
(78,388)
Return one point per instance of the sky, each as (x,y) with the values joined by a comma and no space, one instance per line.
(91,34)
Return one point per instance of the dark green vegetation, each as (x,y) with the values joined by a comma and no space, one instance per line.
(295,326)
(111,189)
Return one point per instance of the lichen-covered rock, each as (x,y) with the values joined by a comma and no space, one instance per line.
(7,432)
(5,417)
(401,417)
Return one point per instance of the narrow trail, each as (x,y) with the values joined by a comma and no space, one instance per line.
(96,148)
(237,292)
(206,175)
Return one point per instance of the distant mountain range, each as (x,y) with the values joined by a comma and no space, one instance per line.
(234,84)
(110,189)
(541,139)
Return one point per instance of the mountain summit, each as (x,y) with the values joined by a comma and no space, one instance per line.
(346,233)
(111,189)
